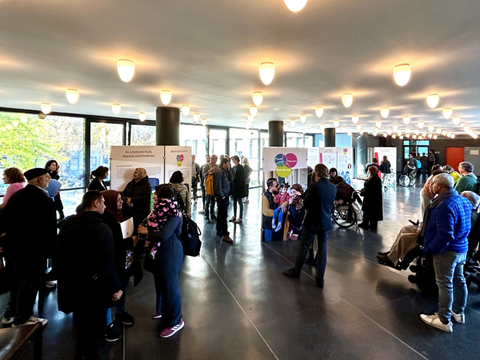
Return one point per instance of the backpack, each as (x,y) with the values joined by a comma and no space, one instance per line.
(419,164)
(209,185)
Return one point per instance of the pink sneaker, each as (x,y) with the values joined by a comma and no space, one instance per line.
(170,331)
(157,316)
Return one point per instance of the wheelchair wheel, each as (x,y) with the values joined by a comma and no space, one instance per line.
(344,215)
(412,182)
(404,180)
(390,179)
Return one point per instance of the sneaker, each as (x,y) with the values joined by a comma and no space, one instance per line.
(232,219)
(245,201)
(238,221)
(459,318)
(7,320)
(434,320)
(227,239)
(157,315)
(50,284)
(125,318)
(201,212)
(170,331)
(32,321)
(112,334)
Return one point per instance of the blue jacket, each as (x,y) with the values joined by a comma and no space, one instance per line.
(449,226)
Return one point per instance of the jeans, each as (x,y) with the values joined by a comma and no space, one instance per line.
(194,187)
(240,205)
(307,239)
(209,206)
(169,299)
(222,223)
(204,195)
(452,288)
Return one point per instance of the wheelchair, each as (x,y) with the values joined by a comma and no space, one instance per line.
(407,178)
(344,214)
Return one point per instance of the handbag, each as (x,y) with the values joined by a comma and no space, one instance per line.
(358,212)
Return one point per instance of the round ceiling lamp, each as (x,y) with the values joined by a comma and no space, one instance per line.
(432,100)
(407,131)
(257,97)
(447,112)
(414,136)
(394,136)
(378,124)
(385,135)
(253,110)
(401,74)
(267,72)
(336,123)
(186,109)
(165,96)
(249,118)
(429,136)
(204,122)
(395,127)
(46,108)
(453,136)
(435,137)
(142,116)
(319,111)
(72,95)
(421,124)
(417,132)
(126,69)
(303,119)
(196,117)
(359,127)
(439,131)
(116,108)
(355,119)
(406,120)
(431,128)
(349,133)
(295,5)
(292,122)
(389,132)
(444,133)
(457,120)
(384,112)
(347,99)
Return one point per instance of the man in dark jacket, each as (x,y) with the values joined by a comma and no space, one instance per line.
(446,232)
(268,207)
(202,184)
(221,181)
(318,221)
(28,228)
(239,188)
(137,195)
(87,276)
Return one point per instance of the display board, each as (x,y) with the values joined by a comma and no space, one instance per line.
(340,158)
(313,157)
(390,153)
(287,164)
(178,158)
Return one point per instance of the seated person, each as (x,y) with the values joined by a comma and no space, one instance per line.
(282,197)
(295,214)
(410,168)
(334,175)
(345,192)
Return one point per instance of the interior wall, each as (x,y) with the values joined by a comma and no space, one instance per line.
(439,146)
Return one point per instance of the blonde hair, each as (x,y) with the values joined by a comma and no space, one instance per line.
(245,161)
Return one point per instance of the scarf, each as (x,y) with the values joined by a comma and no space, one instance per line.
(162,211)
(111,197)
(436,201)
(53,187)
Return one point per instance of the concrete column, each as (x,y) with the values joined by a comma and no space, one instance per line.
(329,137)
(168,126)
(362,153)
(275,133)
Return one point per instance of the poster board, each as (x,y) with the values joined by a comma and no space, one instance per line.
(178,158)
(390,153)
(313,157)
(340,158)
(287,164)
(328,156)
(125,159)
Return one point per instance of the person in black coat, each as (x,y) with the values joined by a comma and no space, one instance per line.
(137,195)
(165,258)
(87,279)
(28,230)
(54,167)
(239,188)
(97,178)
(318,222)
(372,202)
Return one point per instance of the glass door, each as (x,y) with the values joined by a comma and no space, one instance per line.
(218,142)
(103,137)
(244,143)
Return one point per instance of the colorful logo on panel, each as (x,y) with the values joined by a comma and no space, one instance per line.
(180,160)
(285,164)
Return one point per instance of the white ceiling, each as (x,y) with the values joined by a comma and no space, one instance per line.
(207,53)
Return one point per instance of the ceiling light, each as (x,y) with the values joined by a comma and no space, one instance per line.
(319,111)
(126,69)
(447,112)
(384,112)
(406,120)
(347,99)
(462,125)
(407,131)
(46,108)
(378,124)
(349,133)
(385,135)
(457,120)
(72,95)
(360,131)
(322,126)
(421,124)
(389,132)
(402,73)
(401,137)
(420,137)
(399,133)
(196,117)
(394,136)
(431,128)
(395,127)
(292,122)
(249,118)
(142,116)
(453,136)
(417,132)
(257,98)
(253,110)
(424,134)
(435,137)
(432,100)
(444,133)
(204,122)
(185,109)
(414,136)
(267,72)
(355,119)
(407,136)
(359,127)
(344,128)
(429,136)
(295,5)
(466,128)
(439,131)
(303,119)
(336,123)
(165,96)
(116,108)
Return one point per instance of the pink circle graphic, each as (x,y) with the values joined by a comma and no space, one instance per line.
(181,157)
(290,160)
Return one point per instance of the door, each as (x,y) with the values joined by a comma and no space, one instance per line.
(454,156)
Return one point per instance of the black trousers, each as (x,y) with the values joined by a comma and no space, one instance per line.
(204,195)
(27,281)
(90,324)
(194,187)
(209,206)
(307,239)
(222,222)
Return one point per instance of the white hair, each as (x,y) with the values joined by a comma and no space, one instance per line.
(446,180)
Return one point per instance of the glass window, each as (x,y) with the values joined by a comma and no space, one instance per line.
(103,137)
(27,142)
(196,137)
(295,140)
(218,142)
(245,143)
(143,135)
(308,141)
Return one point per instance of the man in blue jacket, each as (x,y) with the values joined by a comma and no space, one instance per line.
(446,232)
(318,221)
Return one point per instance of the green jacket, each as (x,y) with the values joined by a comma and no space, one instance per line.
(466,183)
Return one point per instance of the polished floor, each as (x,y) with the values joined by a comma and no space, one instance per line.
(238,305)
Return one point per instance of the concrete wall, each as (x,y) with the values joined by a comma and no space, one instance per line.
(439,146)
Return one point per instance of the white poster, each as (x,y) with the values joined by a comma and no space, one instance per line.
(328,156)
(178,158)
(345,163)
(313,157)
(284,160)
(125,159)
(390,153)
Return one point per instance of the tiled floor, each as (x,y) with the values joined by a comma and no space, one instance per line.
(238,305)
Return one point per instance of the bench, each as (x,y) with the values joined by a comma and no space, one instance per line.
(14,340)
